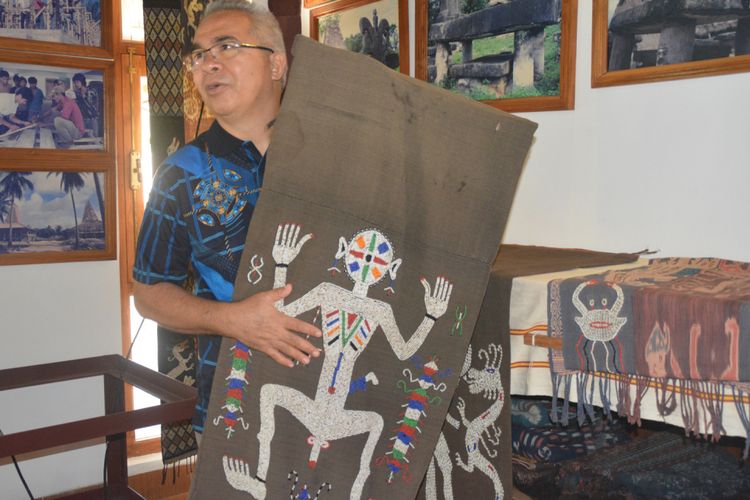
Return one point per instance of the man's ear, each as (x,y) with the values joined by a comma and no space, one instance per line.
(278,65)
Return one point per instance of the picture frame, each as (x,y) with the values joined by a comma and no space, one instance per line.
(309,4)
(340,20)
(682,53)
(493,71)
(80,28)
(58,215)
(45,142)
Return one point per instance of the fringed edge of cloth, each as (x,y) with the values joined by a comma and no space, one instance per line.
(700,401)
(740,392)
(186,461)
(704,399)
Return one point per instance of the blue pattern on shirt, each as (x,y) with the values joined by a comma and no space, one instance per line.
(198,214)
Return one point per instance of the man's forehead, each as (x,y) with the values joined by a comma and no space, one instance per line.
(220,27)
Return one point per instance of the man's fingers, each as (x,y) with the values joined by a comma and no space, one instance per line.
(280,358)
(299,326)
(301,344)
(279,293)
(292,352)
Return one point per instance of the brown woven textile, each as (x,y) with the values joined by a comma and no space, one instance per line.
(407,188)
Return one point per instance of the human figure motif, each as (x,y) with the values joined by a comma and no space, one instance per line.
(599,323)
(350,319)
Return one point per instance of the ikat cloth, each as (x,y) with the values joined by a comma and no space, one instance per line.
(163,22)
(682,318)
(384,202)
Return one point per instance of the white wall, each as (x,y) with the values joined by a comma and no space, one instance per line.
(56,312)
(658,165)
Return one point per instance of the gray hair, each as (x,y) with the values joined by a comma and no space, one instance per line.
(265,27)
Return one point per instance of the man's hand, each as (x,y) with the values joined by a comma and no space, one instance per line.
(253,321)
(286,247)
(256,322)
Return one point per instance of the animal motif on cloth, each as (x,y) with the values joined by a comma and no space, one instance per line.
(599,323)
(658,349)
(441,456)
(236,386)
(184,364)
(350,319)
(304,493)
(415,408)
(458,326)
(480,430)
(255,274)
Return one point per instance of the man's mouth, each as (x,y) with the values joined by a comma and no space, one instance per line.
(213,88)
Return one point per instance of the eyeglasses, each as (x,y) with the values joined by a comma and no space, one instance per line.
(222,51)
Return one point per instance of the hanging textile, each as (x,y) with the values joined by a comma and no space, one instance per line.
(163,21)
(406,189)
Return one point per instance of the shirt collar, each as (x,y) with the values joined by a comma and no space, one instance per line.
(219,141)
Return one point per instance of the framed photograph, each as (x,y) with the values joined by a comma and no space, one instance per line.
(637,41)
(378,28)
(516,56)
(56,216)
(49,108)
(74,27)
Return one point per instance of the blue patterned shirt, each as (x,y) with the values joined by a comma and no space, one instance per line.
(198,214)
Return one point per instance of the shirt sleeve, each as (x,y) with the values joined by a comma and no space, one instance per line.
(163,250)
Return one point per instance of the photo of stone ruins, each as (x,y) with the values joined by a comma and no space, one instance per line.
(646,33)
(492,49)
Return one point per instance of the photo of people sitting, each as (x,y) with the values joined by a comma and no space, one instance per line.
(51,108)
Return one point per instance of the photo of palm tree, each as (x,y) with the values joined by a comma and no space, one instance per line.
(51,211)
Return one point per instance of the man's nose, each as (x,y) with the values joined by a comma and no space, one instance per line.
(210,62)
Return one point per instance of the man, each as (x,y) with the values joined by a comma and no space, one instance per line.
(35,106)
(84,99)
(16,83)
(238,64)
(68,119)
(4,81)
(21,117)
(25,6)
